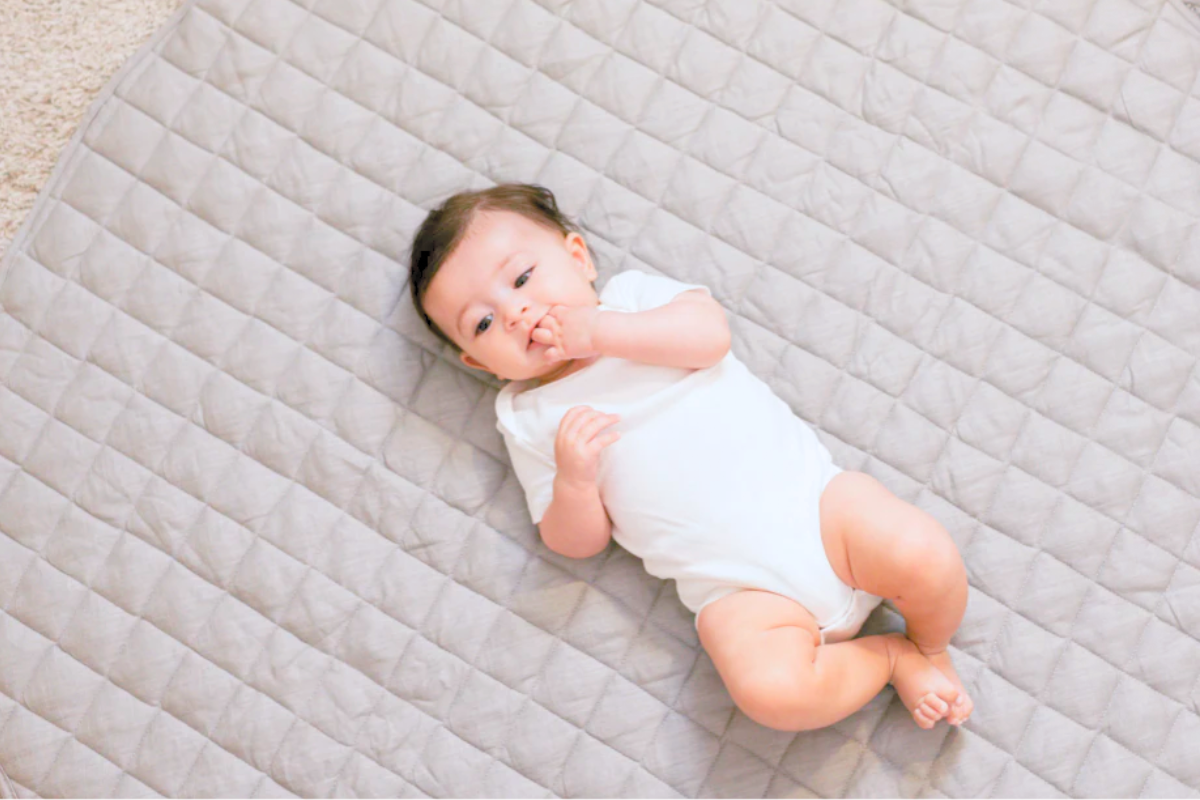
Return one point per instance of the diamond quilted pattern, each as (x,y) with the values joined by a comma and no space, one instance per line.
(261,537)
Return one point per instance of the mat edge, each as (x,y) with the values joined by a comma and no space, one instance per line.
(65,158)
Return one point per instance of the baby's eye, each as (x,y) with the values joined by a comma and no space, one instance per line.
(480,328)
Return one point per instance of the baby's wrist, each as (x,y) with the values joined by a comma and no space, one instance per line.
(602,330)
(563,483)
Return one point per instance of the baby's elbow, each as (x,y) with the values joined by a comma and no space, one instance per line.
(726,342)
(722,344)
(575,546)
(589,549)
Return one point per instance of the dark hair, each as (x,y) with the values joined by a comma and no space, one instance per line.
(444,228)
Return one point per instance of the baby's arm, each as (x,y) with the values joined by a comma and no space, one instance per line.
(576,524)
(690,332)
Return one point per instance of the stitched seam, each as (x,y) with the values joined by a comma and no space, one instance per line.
(949,34)
(88,585)
(4,778)
(361,604)
(338,776)
(1070,640)
(30,336)
(1008,620)
(136,619)
(1108,707)
(560,641)
(142,739)
(66,740)
(418,633)
(175,674)
(627,789)
(70,620)
(1157,613)
(494,759)
(101,685)
(1162,748)
(527,697)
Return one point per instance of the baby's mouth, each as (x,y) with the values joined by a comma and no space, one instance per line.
(531,330)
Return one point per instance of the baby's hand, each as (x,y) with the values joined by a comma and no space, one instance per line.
(579,443)
(568,331)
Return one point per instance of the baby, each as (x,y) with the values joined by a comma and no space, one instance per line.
(628,417)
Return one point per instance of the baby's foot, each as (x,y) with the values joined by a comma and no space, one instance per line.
(925,691)
(961,708)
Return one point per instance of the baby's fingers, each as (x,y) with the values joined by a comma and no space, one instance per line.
(608,438)
(597,423)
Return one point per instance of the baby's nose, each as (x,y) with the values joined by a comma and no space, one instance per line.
(519,315)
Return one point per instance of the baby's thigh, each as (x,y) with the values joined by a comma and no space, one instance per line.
(877,542)
(730,627)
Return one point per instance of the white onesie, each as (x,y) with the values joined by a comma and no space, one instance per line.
(715,482)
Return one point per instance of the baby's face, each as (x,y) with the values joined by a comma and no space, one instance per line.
(499,282)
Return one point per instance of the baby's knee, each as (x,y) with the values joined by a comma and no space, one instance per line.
(928,551)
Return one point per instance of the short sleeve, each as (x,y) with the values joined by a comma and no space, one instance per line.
(634,290)
(534,472)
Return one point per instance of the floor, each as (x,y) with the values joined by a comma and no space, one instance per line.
(55,56)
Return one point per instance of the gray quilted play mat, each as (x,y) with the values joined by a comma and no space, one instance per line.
(260,533)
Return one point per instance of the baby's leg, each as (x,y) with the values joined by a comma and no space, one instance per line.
(880,544)
(766,649)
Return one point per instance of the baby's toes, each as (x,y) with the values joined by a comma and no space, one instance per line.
(924,717)
(947,697)
(935,705)
(929,711)
(961,711)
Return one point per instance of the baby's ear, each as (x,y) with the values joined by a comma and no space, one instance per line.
(577,247)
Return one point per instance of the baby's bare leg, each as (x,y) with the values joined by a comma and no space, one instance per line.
(880,544)
(766,649)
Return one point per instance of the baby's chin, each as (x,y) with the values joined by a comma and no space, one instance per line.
(542,373)
(534,367)
(527,374)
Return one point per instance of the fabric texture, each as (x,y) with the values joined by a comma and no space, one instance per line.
(261,536)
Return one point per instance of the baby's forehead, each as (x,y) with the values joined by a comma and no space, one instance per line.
(502,226)
(490,238)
